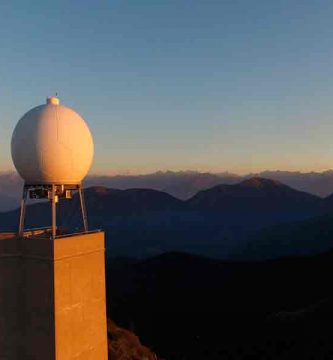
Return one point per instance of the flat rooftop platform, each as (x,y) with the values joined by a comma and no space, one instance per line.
(44,233)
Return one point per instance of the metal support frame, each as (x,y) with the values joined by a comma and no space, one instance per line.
(53,190)
(83,209)
(22,210)
(54,212)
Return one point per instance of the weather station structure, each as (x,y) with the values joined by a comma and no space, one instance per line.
(53,282)
(52,149)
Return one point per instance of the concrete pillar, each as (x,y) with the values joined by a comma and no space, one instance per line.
(53,306)
(10,328)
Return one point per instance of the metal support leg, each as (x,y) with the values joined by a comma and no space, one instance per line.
(22,211)
(54,213)
(83,209)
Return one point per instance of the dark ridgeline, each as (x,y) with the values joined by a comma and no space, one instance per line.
(262,201)
(182,184)
(257,218)
(185,184)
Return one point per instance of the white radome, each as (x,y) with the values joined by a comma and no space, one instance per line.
(52,144)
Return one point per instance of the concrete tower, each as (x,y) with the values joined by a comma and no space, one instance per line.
(52,285)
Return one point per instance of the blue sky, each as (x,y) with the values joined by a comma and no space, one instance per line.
(233,85)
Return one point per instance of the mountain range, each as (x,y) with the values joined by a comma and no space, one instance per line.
(182,184)
(185,184)
(257,218)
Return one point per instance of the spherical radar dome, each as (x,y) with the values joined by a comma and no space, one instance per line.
(52,144)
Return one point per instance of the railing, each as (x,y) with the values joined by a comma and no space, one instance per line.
(44,232)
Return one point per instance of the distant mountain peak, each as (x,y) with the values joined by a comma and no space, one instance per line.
(260,182)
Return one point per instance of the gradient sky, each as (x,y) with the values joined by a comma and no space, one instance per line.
(233,85)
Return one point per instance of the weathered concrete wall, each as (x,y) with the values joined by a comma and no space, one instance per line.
(52,298)
(10,328)
(37,299)
(80,306)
